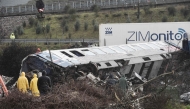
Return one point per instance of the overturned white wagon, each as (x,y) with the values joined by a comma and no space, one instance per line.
(144,58)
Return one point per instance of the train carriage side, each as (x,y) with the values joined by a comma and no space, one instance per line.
(142,58)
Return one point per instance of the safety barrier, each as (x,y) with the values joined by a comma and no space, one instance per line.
(50,40)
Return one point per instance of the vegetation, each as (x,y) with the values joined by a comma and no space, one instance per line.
(62,25)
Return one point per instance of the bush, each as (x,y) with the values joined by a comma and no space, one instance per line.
(20,30)
(95,8)
(116,15)
(85,26)
(38,29)
(128,20)
(184,12)
(63,23)
(16,33)
(24,24)
(31,21)
(77,25)
(67,8)
(12,57)
(189,19)
(66,28)
(48,28)
(69,35)
(86,15)
(172,10)
(147,10)
(164,19)
(49,18)
(93,22)
(106,15)
(72,11)
(96,27)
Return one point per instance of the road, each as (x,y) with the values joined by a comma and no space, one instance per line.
(12,2)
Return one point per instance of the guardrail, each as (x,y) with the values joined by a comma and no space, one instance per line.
(58,7)
(59,41)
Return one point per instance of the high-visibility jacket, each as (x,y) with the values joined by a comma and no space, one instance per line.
(33,86)
(22,83)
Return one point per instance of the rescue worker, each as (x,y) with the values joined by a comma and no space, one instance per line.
(110,83)
(123,84)
(40,6)
(44,83)
(38,50)
(33,86)
(12,36)
(22,83)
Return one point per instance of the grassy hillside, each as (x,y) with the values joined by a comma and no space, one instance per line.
(92,19)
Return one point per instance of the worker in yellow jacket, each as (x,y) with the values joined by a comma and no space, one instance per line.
(33,86)
(22,83)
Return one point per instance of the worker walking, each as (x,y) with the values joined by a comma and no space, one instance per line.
(44,83)
(33,86)
(123,85)
(22,83)
(40,7)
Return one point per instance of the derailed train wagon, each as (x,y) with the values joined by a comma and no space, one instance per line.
(146,59)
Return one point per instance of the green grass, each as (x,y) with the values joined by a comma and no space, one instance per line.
(107,16)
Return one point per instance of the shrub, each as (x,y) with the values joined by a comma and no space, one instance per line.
(189,19)
(172,10)
(93,22)
(95,8)
(47,28)
(24,24)
(16,33)
(67,8)
(184,12)
(38,29)
(69,35)
(63,23)
(106,15)
(66,28)
(96,27)
(72,11)
(49,18)
(31,21)
(128,20)
(85,26)
(147,10)
(116,15)
(86,15)
(20,30)
(164,19)
(77,25)
(14,53)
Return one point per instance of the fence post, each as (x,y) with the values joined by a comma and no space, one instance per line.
(52,7)
(6,9)
(80,4)
(109,2)
(59,6)
(32,8)
(86,3)
(12,9)
(25,8)
(73,4)
(19,9)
